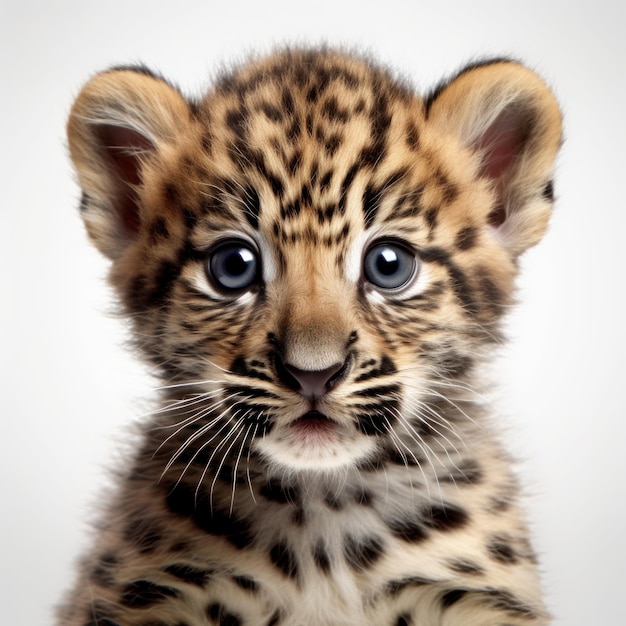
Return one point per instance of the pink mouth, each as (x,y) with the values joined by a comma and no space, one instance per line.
(313,423)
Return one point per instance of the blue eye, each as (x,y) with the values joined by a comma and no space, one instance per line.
(389,265)
(234,266)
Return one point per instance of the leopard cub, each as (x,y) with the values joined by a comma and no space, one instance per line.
(316,261)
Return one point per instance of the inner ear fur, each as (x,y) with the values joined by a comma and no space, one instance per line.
(509,118)
(120,120)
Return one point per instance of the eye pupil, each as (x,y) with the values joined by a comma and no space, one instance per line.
(233,266)
(387,262)
(238,262)
(389,266)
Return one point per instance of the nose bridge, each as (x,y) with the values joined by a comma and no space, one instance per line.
(315,321)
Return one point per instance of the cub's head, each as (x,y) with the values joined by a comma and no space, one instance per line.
(314,257)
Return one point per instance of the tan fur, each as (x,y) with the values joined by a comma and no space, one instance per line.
(408,512)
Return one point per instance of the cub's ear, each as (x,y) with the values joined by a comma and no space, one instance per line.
(121,120)
(508,116)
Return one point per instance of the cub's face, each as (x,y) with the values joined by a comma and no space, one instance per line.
(313,257)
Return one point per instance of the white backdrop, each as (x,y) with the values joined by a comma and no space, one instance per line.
(69,387)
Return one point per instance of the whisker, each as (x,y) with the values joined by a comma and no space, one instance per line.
(206,428)
(195,418)
(235,468)
(232,434)
(256,426)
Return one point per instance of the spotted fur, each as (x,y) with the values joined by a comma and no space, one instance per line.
(316,261)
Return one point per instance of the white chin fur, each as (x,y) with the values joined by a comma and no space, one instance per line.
(290,451)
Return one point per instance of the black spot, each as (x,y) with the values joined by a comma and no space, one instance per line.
(492,295)
(385,368)
(345,186)
(272,112)
(321,557)
(207,142)
(247,157)
(287,103)
(463,566)
(309,124)
(445,517)
(501,550)
(371,424)
(395,587)
(404,620)
(332,111)
(500,503)
(236,121)
(325,214)
(449,190)
(332,143)
(246,583)
(371,203)
(334,501)
(362,552)
(412,137)
(305,195)
(219,614)
(431,217)
(145,534)
(466,238)
(103,572)
(325,181)
(497,217)
(164,278)
(371,155)
(188,574)
(458,279)
(378,392)
(452,597)
(291,209)
(299,517)
(240,367)
(276,491)
(254,415)
(275,619)
(183,501)
(408,530)
(312,94)
(363,497)
(380,117)
(214,610)
(159,230)
(135,297)
(190,218)
(454,364)
(548,191)
(507,602)
(143,593)
(85,200)
(468,472)
(295,130)
(172,194)
(294,163)
(283,557)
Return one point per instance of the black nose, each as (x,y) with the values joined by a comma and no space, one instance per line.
(310,383)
